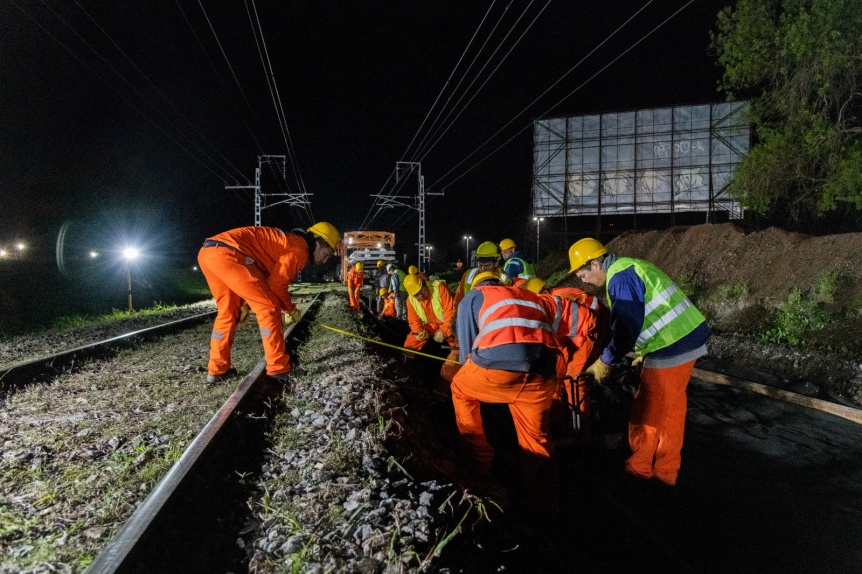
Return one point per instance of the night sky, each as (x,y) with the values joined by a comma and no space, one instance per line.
(124,120)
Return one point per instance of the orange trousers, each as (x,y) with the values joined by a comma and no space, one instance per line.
(353,297)
(657,423)
(529,397)
(231,279)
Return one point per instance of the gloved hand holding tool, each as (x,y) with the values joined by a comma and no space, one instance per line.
(599,371)
(439,336)
(422,335)
(294,316)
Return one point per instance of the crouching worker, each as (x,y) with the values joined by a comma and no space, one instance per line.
(388,304)
(257,264)
(510,354)
(431,315)
(651,316)
(584,330)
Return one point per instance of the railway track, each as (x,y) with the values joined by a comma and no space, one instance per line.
(186,540)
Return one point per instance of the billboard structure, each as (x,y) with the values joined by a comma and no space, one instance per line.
(652,161)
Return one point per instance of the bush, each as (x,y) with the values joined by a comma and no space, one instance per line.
(803,313)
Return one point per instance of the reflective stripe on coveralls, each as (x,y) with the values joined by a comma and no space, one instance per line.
(668,314)
(512,319)
(233,276)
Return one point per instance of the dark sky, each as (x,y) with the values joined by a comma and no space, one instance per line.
(124,118)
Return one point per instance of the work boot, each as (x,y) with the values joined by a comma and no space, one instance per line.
(222,378)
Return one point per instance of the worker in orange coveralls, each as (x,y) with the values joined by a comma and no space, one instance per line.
(389,305)
(584,327)
(355,277)
(653,317)
(431,314)
(510,354)
(258,264)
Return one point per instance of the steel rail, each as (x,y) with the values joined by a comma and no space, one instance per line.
(25,372)
(119,551)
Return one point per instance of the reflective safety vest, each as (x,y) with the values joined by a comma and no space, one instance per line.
(400,279)
(570,320)
(512,315)
(528,270)
(436,304)
(577,295)
(669,315)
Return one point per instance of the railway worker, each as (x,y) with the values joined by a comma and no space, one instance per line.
(651,316)
(355,277)
(487,259)
(389,307)
(584,327)
(515,264)
(510,354)
(396,288)
(431,315)
(382,282)
(258,264)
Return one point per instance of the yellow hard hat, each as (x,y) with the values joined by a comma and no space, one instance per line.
(484,276)
(380,263)
(507,244)
(413,284)
(487,249)
(584,250)
(413,270)
(358,266)
(382,291)
(327,232)
(534,284)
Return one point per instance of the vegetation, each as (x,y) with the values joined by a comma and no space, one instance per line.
(801,63)
(804,313)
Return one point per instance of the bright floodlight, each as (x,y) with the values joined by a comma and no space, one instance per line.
(20,246)
(130,253)
(94,254)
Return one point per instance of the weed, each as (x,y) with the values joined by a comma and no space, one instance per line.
(689,287)
(800,315)
(732,293)
(554,278)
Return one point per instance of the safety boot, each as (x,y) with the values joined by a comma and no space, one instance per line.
(222,378)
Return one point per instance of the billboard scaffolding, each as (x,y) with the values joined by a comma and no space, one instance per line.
(651,161)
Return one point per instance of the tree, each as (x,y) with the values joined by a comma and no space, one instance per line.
(800,61)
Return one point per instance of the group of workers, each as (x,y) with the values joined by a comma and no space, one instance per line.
(512,339)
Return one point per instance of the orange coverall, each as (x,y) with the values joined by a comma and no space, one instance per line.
(354,286)
(587,331)
(502,328)
(256,264)
(434,323)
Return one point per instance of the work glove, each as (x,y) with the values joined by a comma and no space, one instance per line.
(422,335)
(293,316)
(599,370)
(439,336)
(638,361)
(244,314)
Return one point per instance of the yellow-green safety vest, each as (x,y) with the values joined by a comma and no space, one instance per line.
(436,304)
(669,315)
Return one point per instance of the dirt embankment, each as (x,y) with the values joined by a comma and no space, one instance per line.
(742,281)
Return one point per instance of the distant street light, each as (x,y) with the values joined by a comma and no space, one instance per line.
(538,221)
(94,254)
(468,238)
(19,247)
(130,254)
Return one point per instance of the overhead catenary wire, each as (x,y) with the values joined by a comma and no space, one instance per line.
(274,93)
(155,87)
(424,152)
(116,91)
(560,101)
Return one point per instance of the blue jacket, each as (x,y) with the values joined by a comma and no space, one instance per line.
(626,293)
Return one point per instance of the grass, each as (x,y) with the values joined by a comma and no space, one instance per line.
(804,312)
